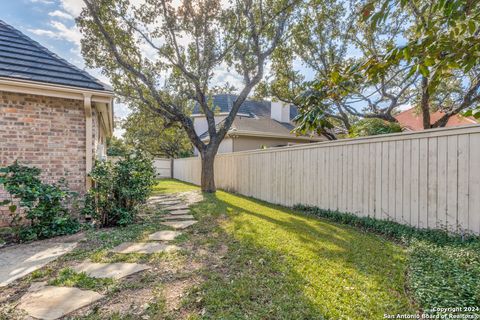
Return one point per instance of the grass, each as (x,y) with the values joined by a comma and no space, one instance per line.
(69,278)
(443,268)
(173,186)
(248,259)
(281,264)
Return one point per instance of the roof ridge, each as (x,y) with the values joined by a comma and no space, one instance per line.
(53,55)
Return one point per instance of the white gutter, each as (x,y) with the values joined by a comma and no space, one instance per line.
(60,91)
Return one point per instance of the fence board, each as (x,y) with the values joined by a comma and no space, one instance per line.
(426,179)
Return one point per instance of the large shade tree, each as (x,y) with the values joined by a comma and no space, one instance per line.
(151,134)
(442,49)
(371,57)
(328,39)
(169,55)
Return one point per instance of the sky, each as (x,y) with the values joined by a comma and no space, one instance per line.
(52,24)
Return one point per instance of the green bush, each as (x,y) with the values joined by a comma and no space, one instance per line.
(372,127)
(44,205)
(443,268)
(119,188)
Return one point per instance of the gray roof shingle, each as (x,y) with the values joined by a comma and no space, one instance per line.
(252,116)
(224,103)
(25,59)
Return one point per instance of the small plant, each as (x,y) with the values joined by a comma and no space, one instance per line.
(43,205)
(119,189)
(69,278)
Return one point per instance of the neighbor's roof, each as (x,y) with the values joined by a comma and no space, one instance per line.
(223,104)
(259,125)
(25,59)
(411,120)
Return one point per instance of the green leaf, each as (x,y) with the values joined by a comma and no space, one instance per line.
(429,62)
(406,53)
(423,70)
(473,113)
(471,26)
(12,208)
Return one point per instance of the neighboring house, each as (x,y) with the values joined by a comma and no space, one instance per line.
(258,124)
(411,120)
(52,115)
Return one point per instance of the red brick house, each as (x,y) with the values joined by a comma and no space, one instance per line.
(410,120)
(52,115)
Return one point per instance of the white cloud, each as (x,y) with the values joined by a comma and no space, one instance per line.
(42,32)
(60,14)
(42,1)
(60,31)
(223,75)
(73,7)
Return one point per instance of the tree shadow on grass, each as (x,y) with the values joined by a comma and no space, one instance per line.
(279,259)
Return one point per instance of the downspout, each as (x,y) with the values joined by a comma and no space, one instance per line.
(87,102)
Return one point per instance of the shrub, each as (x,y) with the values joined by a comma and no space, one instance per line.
(372,127)
(444,275)
(119,188)
(44,205)
(443,269)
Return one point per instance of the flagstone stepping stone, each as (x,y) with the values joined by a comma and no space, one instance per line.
(177,207)
(164,235)
(179,212)
(163,196)
(171,202)
(144,247)
(179,224)
(164,202)
(19,260)
(179,217)
(110,270)
(51,303)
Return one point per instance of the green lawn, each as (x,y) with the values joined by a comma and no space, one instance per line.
(281,264)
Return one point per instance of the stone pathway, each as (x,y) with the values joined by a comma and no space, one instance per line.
(176,207)
(20,260)
(180,212)
(183,224)
(50,302)
(144,247)
(109,270)
(179,217)
(165,235)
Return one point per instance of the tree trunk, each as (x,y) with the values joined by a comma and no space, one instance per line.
(208,174)
(424,104)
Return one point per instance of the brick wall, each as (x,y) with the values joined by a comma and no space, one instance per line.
(45,132)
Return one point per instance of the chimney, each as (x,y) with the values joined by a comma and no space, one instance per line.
(280,111)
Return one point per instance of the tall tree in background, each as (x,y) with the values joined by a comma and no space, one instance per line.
(146,132)
(367,61)
(329,39)
(442,48)
(116,147)
(165,55)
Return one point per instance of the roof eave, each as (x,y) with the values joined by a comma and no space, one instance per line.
(275,135)
(246,133)
(60,91)
(69,92)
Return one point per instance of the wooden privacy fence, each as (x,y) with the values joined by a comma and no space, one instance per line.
(163,167)
(428,179)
